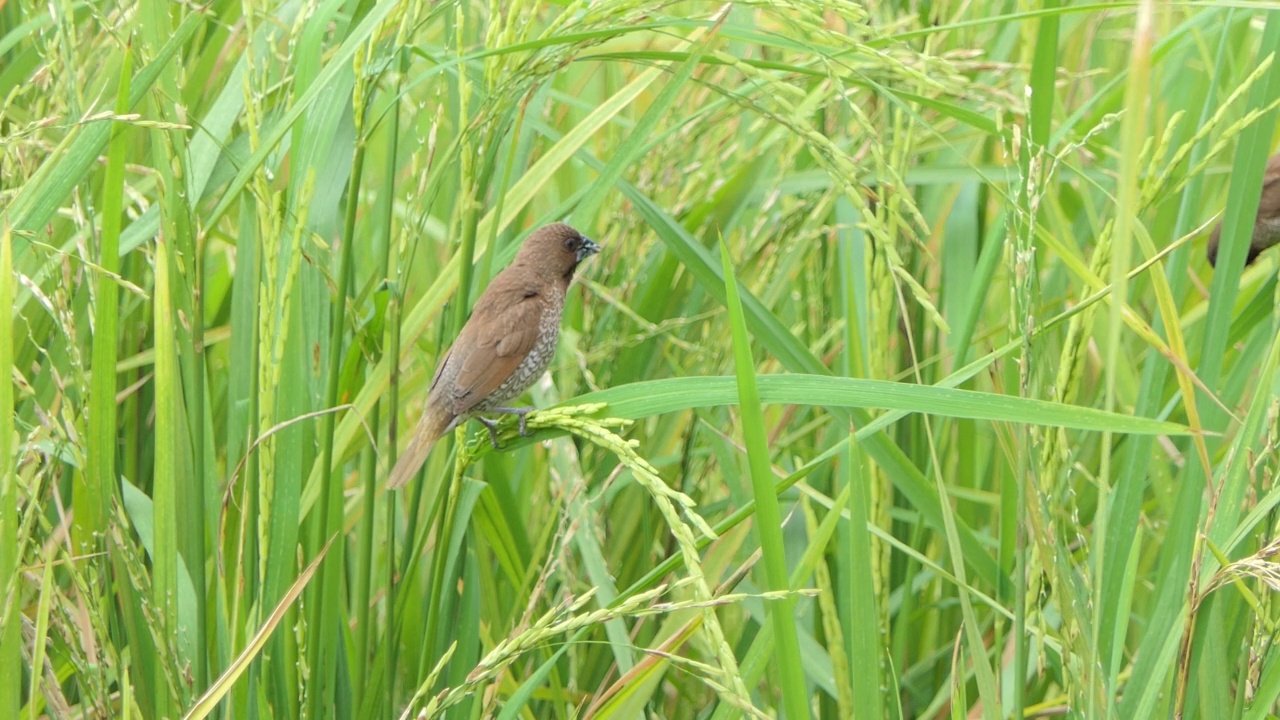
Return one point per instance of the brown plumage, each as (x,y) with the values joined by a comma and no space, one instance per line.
(1266,227)
(506,344)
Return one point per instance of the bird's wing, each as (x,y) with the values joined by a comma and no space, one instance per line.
(502,330)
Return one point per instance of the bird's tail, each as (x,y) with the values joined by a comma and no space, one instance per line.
(433,423)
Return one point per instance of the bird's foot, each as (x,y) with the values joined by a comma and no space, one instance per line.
(492,427)
(520,413)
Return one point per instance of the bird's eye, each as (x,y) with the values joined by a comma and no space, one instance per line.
(571,244)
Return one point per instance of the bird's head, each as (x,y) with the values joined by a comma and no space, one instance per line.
(556,249)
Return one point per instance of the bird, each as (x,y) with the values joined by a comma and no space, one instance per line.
(1266,226)
(504,346)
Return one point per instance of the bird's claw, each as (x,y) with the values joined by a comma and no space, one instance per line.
(492,425)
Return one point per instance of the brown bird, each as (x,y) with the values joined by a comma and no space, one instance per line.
(504,347)
(1266,227)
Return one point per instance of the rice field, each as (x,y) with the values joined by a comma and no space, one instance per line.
(901,388)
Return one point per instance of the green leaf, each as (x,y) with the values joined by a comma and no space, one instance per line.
(768,516)
(655,397)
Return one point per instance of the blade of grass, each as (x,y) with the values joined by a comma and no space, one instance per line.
(11,606)
(326,601)
(41,641)
(98,481)
(164,581)
(654,397)
(169,157)
(861,617)
(768,516)
(365,627)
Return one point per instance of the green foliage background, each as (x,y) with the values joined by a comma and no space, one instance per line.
(900,389)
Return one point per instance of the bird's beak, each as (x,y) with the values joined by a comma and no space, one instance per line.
(588,249)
